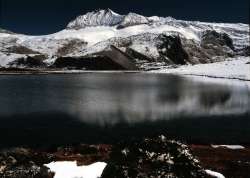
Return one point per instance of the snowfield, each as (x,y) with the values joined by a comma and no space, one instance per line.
(231,68)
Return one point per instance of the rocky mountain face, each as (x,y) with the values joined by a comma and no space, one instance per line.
(151,43)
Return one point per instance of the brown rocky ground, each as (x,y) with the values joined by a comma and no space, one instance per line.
(83,154)
(231,163)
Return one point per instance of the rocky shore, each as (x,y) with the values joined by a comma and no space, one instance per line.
(155,157)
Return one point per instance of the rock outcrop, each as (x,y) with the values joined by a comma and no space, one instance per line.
(156,157)
(33,61)
(171,47)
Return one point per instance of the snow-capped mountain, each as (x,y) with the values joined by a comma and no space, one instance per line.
(146,40)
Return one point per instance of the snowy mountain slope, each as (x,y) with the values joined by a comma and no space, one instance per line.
(5,60)
(97,30)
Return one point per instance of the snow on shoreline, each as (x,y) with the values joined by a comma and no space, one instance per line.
(214,174)
(232,68)
(69,169)
(232,147)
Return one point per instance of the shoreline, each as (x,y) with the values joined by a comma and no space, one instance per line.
(47,72)
(189,75)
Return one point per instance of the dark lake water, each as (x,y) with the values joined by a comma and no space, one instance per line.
(108,107)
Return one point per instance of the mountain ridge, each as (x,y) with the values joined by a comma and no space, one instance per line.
(107,17)
(149,40)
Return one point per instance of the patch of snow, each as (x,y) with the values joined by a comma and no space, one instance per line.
(50,61)
(232,147)
(214,174)
(163,138)
(125,151)
(67,169)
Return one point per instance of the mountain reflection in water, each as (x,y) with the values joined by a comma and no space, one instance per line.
(39,104)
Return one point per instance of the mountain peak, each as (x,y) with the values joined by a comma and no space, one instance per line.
(100,17)
(107,17)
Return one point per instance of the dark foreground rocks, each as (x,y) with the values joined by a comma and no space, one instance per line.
(24,163)
(156,157)
(147,158)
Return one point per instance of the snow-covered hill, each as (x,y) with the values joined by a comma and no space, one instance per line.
(150,41)
(232,68)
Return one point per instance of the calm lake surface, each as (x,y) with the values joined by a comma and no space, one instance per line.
(107,107)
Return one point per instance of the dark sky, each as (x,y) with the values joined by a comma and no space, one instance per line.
(48,16)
